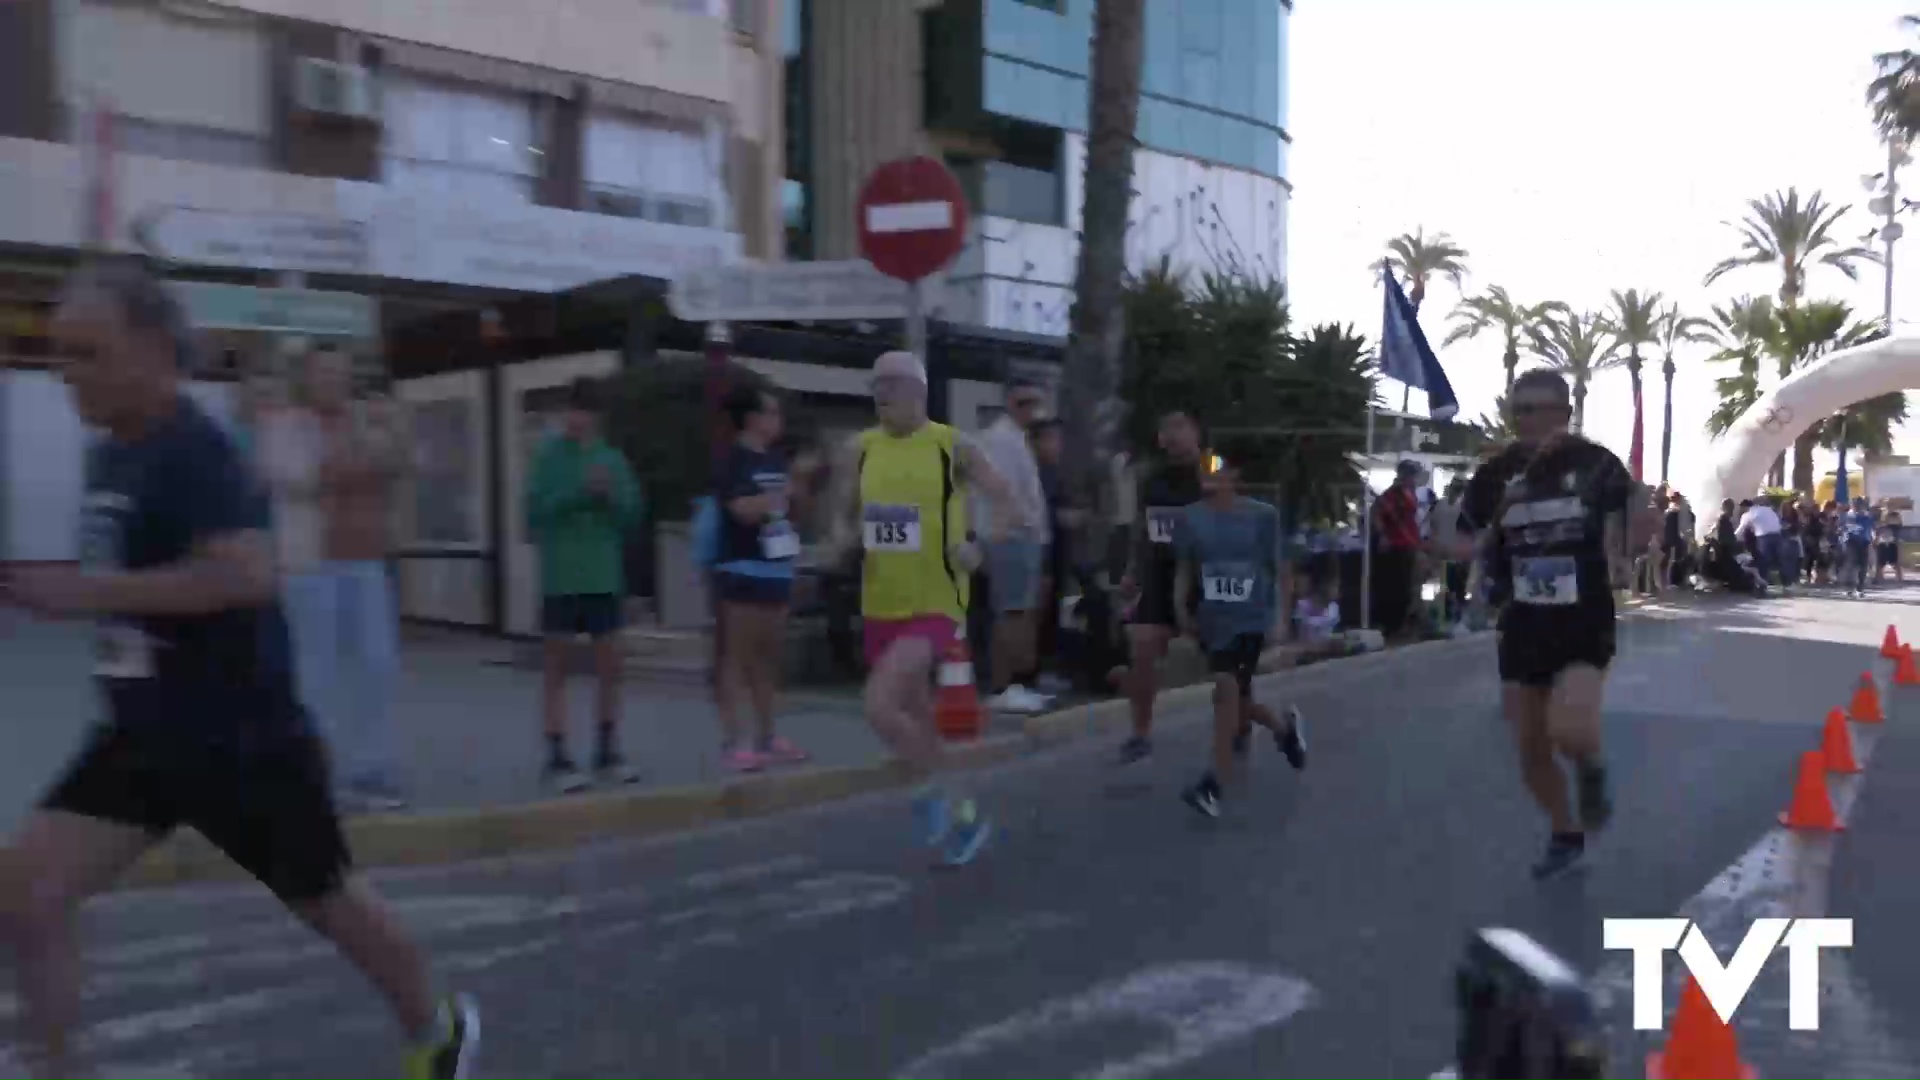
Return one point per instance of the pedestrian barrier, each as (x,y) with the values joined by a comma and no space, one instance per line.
(956,711)
(1701,1047)
(1524,1012)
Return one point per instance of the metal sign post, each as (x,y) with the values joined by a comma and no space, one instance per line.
(1366,530)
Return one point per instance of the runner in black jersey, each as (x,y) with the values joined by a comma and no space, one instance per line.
(1165,493)
(1552,512)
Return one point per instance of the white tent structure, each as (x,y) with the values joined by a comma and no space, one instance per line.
(1785,412)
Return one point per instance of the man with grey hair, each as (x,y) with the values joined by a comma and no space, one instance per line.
(902,490)
(203,728)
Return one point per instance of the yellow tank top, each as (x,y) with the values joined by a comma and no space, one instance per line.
(911,510)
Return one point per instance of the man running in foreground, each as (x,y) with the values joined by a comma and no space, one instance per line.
(903,486)
(1555,511)
(1165,494)
(203,727)
(1228,548)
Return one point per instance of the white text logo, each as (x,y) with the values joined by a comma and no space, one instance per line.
(1726,985)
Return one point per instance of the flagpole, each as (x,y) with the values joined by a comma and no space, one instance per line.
(1366,528)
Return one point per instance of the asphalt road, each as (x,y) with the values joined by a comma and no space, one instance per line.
(1311,932)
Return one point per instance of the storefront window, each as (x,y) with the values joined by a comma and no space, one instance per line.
(455,139)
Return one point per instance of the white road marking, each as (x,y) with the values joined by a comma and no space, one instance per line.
(735,875)
(1197,1007)
(185,1018)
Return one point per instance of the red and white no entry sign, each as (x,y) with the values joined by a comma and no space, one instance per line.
(913,218)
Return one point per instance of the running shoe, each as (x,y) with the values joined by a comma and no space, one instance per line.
(1564,852)
(611,768)
(1596,797)
(1018,700)
(1136,748)
(932,819)
(970,832)
(781,752)
(1204,797)
(451,1056)
(742,760)
(1293,741)
(564,777)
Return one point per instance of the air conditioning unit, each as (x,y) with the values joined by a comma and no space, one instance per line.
(330,88)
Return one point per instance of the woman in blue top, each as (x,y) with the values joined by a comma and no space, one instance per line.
(753,580)
(1228,549)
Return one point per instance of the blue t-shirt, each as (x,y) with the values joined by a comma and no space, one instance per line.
(755,549)
(1234,554)
(224,678)
(1857,526)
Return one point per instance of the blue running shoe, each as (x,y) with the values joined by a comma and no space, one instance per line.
(931,819)
(971,831)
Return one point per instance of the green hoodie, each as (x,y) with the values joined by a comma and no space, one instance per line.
(581,534)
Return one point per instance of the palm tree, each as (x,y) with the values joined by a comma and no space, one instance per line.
(1494,309)
(1579,346)
(1497,426)
(1633,321)
(1895,94)
(1741,331)
(1780,229)
(1089,405)
(1417,258)
(1799,337)
(1675,329)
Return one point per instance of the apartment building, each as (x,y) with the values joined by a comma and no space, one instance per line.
(423,152)
(999,88)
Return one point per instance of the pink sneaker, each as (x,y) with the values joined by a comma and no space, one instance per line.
(742,760)
(782,752)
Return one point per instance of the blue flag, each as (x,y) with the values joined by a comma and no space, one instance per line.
(1406,356)
(1840,477)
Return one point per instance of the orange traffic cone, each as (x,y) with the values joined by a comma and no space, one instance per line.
(1865,706)
(1702,1046)
(1903,672)
(1812,807)
(956,710)
(1890,645)
(1836,744)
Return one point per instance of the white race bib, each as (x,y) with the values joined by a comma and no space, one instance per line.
(778,541)
(891,528)
(1222,589)
(1548,580)
(1161,523)
(122,652)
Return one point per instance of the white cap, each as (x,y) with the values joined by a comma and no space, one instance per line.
(900,364)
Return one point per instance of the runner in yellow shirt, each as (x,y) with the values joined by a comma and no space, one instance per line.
(901,490)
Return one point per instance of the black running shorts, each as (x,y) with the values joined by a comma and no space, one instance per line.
(1156,606)
(1536,646)
(1239,658)
(268,807)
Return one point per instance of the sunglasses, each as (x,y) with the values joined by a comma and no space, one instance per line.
(1534,408)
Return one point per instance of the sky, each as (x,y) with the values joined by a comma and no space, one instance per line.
(1574,147)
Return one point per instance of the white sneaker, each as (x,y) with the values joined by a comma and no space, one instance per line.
(1015,699)
(1040,700)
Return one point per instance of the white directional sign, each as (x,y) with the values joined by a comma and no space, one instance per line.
(263,241)
(791,292)
(310,312)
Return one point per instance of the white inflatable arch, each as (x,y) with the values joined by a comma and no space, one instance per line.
(1745,453)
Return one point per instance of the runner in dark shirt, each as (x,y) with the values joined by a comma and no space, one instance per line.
(1553,510)
(203,727)
(1172,486)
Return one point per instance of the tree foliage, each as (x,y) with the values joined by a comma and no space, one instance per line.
(1291,408)
(656,414)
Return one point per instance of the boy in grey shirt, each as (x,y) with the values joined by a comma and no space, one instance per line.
(1229,554)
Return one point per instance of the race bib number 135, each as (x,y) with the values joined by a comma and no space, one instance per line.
(891,528)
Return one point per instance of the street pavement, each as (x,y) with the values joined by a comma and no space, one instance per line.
(1311,932)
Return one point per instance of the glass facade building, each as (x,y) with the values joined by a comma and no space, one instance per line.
(1213,77)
